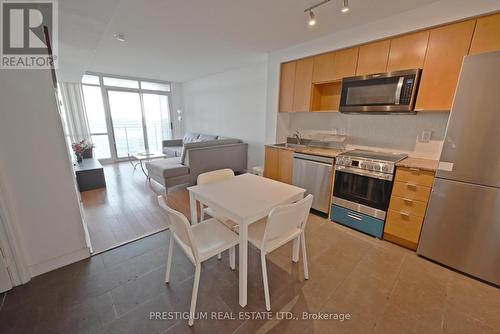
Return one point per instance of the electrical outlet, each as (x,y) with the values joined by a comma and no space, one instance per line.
(342,132)
(425,136)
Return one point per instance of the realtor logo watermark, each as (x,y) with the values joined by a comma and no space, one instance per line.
(23,42)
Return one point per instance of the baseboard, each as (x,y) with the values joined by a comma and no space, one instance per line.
(58,262)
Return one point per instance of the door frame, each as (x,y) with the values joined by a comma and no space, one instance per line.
(10,242)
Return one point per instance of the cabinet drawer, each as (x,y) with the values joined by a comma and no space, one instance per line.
(358,221)
(406,227)
(411,191)
(407,205)
(415,176)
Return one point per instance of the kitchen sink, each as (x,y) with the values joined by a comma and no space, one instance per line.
(290,145)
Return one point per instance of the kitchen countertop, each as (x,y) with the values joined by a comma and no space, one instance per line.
(420,163)
(410,162)
(321,151)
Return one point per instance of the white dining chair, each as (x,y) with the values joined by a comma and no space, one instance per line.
(216,176)
(283,224)
(199,242)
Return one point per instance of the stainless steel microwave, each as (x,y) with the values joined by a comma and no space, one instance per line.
(383,92)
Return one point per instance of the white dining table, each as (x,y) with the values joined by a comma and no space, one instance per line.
(244,199)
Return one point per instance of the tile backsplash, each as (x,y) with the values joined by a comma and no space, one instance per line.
(385,132)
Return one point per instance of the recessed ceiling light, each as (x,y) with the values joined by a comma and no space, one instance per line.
(119,37)
(312,19)
(345,7)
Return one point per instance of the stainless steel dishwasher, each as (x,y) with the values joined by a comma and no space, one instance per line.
(314,173)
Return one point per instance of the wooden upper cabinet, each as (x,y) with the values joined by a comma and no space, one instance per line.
(336,65)
(443,61)
(303,84)
(486,35)
(408,52)
(323,67)
(373,57)
(345,63)
(287,83)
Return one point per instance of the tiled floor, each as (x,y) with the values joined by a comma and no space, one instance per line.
(384,288)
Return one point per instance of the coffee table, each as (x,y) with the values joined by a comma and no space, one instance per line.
(144,156)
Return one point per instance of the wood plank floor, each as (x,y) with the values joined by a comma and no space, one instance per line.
(127,209)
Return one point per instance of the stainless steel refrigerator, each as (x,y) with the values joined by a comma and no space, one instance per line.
(462,223)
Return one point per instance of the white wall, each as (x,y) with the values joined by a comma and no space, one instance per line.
(279,125)
(36,176)
(230,104)
(176,104)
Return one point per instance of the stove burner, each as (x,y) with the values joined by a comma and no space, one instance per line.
(377,162)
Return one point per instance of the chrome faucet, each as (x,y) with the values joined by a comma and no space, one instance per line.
(298,136)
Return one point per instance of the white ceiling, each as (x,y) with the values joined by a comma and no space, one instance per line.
(180,40)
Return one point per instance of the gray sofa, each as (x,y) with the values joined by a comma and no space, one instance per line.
(173,148)
(195,154)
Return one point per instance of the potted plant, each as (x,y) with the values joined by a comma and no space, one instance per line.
(82,149)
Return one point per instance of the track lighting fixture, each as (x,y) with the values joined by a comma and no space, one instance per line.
(345,7)
(312,19)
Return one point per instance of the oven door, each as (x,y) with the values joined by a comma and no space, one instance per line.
(363,192)
(384,92)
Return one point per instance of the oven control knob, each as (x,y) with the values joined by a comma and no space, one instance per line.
(385,168)
(376,167)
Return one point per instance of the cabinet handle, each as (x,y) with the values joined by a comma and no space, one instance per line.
(415,170)
(407,200)
(411,185)
(404,214)
(354,216)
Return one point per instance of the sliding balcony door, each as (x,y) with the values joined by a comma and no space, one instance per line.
(127,115)
(157,120)
(140,121)
(127,119)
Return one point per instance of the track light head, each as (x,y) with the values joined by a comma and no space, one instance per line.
(312,18)
(345,7)
(119,37)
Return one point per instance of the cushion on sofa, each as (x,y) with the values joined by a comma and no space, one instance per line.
(204,137)
(170,167)
(172,151)
(190,137)
(207,143)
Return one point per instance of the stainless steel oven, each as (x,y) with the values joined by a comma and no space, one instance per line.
(362,189)
(383,92)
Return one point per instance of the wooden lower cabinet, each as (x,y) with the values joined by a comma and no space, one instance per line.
(407,207)
(278,164)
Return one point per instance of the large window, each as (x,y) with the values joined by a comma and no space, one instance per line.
(96,116)
(126,116)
